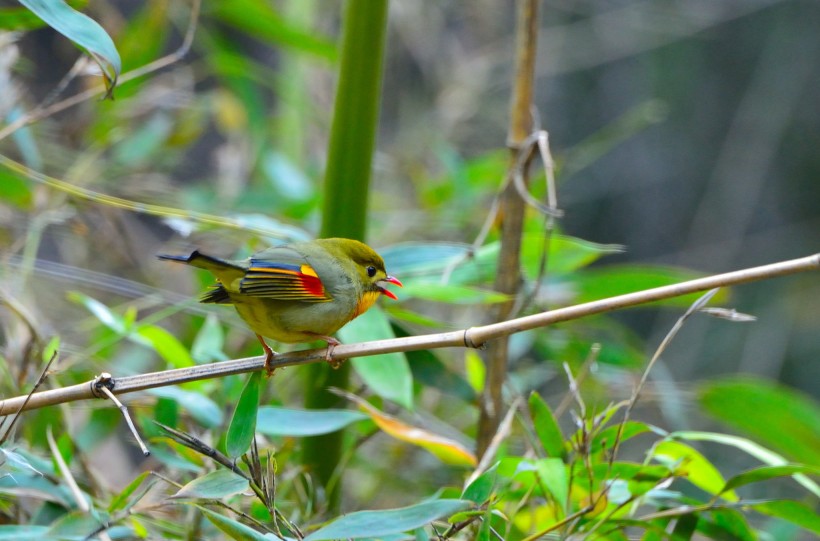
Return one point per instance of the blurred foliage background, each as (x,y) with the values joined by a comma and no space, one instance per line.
(686,131)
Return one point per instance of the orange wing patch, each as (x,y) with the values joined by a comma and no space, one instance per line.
(283,281)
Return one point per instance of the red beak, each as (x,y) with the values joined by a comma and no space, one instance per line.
(392,280)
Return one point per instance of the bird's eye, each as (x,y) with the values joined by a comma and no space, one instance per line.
(371,271)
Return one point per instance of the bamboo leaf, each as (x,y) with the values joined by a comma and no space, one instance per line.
(83,31)
(243,422)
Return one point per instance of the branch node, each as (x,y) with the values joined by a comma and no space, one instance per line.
(469,342)
(103,381)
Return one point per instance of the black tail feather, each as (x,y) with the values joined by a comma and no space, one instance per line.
(198,259)
(217,295)
(180,258)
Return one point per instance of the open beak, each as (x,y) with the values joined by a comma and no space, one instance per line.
(392,280)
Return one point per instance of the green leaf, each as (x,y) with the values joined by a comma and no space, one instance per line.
(727,524)
(692,465)
(105,316)
(52,348)
(276,421)
(421,258)
(784,419)
(566,254)
(209,341)
(768,472)
(83,31)
(606,437)
(119,502)
(76,525)
(262,21)
(546,427)
(235,529)
(15,190)
(142,145)
(481,488)
(202,408)
(386,375)
(429,370)
(450,293)
(10,532)
(16,462)
(166,345)
(215,485)
(747,446)
(795,512)
(475,370)
(363,524)
(243,422)
(552,475)
(603,282)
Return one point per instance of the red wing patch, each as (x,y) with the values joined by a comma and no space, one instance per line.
(283,281)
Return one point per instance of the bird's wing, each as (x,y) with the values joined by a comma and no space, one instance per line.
(286,281)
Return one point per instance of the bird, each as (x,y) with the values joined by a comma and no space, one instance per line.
(298,292)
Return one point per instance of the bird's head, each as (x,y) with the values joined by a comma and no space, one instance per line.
(369,265)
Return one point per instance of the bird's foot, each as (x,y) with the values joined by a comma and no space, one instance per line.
(269,355)
(331,345)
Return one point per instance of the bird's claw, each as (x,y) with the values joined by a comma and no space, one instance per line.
(269,355)
(334,363)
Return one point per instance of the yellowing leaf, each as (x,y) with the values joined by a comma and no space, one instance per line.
(447,450)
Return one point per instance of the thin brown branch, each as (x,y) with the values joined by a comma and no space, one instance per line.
(512,208)
(474,337)
(26,398)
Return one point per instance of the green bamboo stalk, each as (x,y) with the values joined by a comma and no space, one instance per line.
(347,179)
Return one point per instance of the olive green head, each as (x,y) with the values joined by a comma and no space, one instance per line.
(368,264)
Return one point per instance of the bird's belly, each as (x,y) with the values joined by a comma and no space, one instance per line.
(291,322)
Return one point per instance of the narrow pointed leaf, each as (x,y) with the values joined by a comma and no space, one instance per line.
(795,512)
(387,375)
(784,419)
(769,472)
(166,345)
(480,490)
(120,500)
(546,426)
(692,465)
(243,422)
(364,524)
(756,450)
(200,406)
(235,529)
(446,449)
(275,421)
(215,485)
(207,346)
(83,31)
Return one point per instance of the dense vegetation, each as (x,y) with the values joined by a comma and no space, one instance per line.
(264,124)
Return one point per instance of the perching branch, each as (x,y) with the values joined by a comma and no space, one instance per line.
(474,337)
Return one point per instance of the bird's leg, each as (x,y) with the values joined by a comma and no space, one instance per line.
(331,345)
(269,353)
